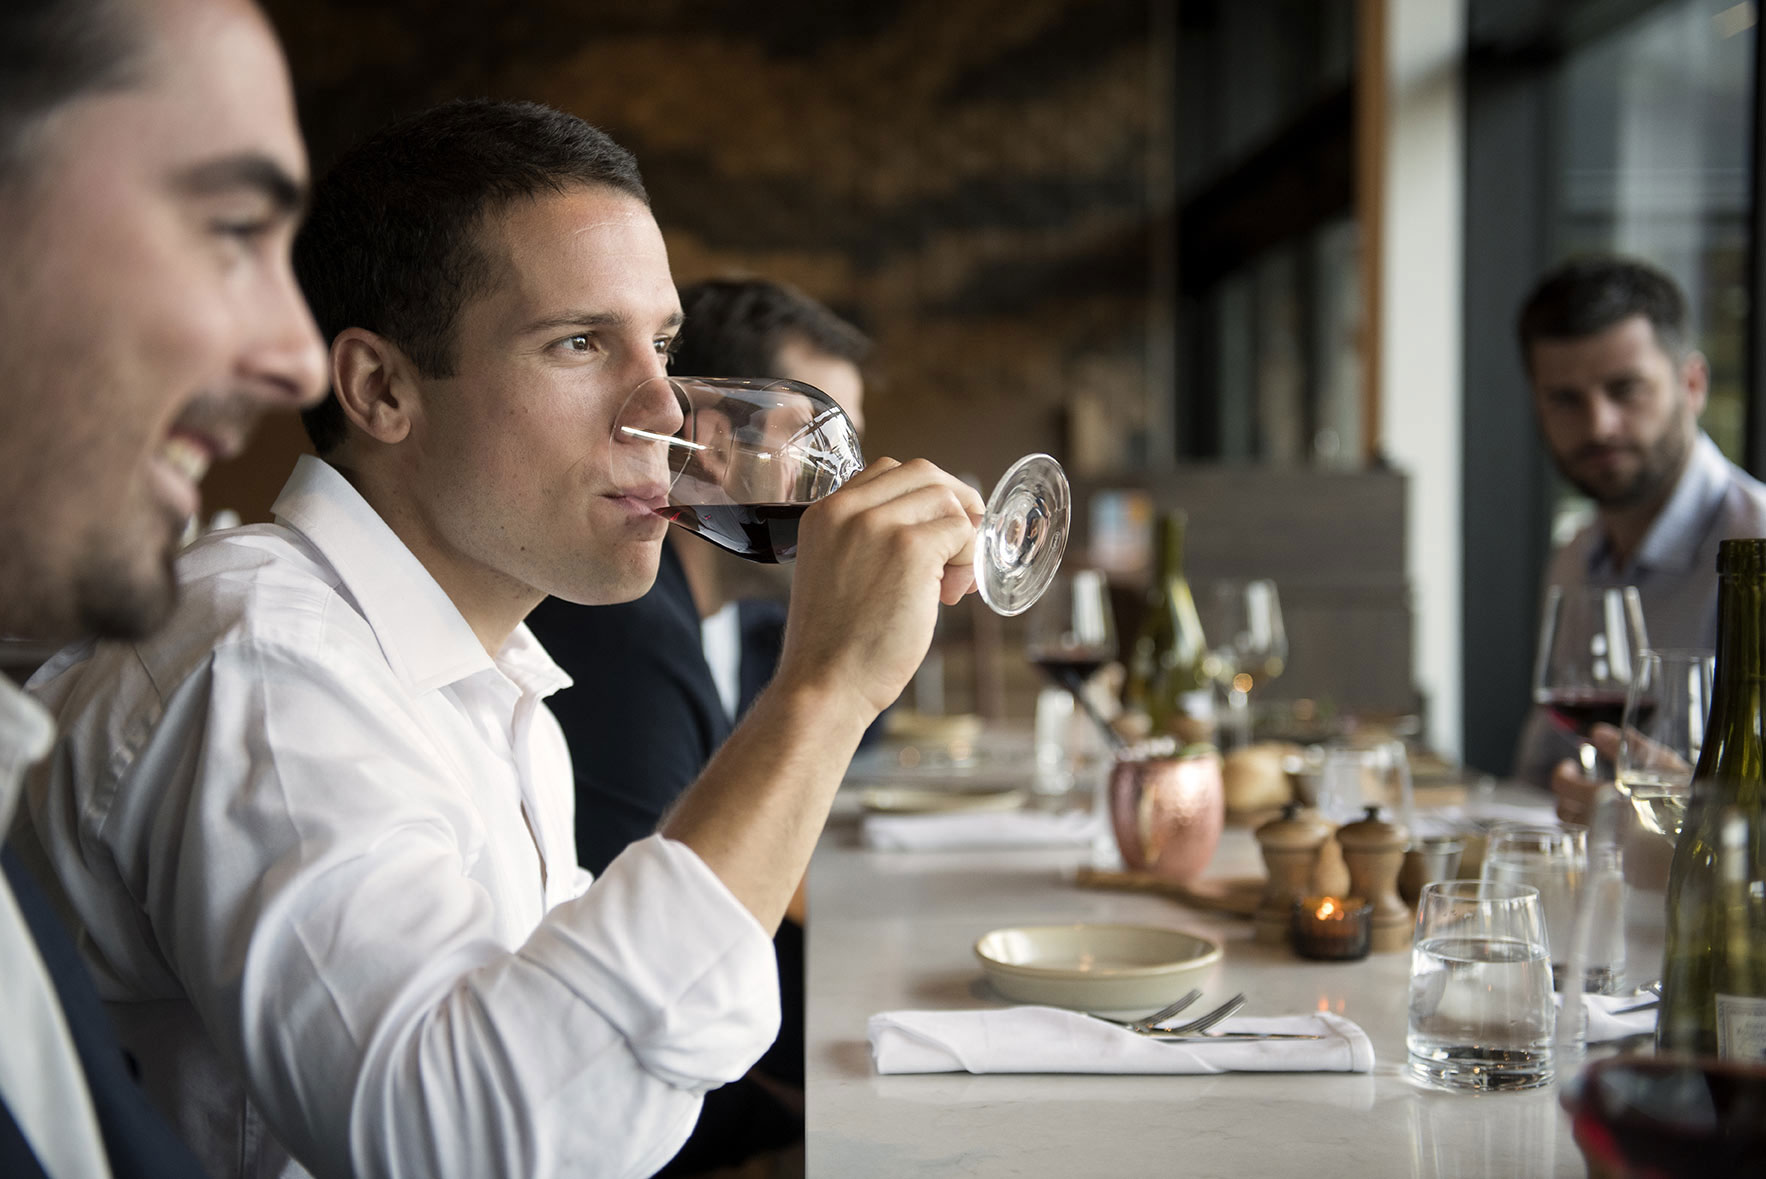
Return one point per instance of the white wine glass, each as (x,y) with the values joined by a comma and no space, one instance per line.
(1246,616)
(1662,734)
(738,462)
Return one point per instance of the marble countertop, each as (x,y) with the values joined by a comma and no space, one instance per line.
(892,930)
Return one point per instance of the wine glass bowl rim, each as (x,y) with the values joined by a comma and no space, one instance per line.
(1476,891)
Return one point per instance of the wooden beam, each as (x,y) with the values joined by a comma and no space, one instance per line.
(1371,99)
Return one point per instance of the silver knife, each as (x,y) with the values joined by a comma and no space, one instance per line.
(1239,1037)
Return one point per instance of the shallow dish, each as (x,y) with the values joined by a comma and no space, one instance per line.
(1093,967)
(906,800)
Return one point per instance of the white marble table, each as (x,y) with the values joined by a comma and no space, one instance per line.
(891,930)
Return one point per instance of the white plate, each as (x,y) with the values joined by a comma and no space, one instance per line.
(905,800)
(1093,967)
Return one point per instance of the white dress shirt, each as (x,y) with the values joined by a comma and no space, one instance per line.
(321,844)
(40,1074)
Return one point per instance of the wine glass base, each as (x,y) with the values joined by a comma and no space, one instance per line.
(1023,535)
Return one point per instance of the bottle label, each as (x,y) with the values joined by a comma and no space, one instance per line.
(1741,1027)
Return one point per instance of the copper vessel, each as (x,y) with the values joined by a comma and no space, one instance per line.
(1167,813)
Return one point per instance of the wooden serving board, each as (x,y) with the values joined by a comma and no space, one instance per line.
(1236,895)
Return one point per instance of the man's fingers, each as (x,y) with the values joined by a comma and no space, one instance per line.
(1606,738)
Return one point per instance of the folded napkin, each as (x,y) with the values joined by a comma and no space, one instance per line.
(1605,1024)
(977,830)
(1052,1040)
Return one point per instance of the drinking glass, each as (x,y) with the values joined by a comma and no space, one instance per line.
(1481,1013)
(1348,781)
(1247,617)
(1071,633)
(1590,640)
(1553,860)
(1664,730)
(738,462)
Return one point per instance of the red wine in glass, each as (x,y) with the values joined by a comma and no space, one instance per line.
(1067,668)
(1674,1118)
(1582,709)
(760,532)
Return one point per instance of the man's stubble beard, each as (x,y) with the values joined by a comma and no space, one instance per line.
(113,599)
(1656,476)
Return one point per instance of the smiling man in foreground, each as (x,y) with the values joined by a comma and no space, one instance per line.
(319,830)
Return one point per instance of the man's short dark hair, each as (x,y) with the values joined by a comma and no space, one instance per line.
(393,242)
(1591,294)
(53,51)
(735,327)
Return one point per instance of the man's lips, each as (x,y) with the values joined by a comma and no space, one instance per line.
(641,504)
(1604,456)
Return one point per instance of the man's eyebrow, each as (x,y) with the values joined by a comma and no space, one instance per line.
(247,170)
(589,319)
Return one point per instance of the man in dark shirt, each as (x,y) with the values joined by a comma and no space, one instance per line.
(660,681)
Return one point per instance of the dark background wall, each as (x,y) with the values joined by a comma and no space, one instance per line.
(974,182)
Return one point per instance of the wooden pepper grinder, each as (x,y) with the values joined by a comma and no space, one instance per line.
(1373,850)
(1290,850)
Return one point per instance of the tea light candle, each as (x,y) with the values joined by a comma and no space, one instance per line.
(1333,928)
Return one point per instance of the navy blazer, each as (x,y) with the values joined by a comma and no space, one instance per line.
(139,1143)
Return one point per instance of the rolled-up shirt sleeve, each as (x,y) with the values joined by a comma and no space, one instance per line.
(313,870)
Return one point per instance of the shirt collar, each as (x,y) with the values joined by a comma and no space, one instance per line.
(427,642)
(26,733)
(1673,539)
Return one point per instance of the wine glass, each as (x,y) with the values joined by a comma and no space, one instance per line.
(1590,640)
(1254,647)
(1071,633)
(738,462)
(1663,731)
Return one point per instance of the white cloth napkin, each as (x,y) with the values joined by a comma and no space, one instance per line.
(1604,1024)
(977,830)
(1053,1040)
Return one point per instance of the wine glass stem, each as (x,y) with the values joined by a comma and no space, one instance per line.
(1075,684)
(1238,703)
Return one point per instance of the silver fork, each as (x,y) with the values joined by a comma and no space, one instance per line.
(1203,1022)
(1164,1013)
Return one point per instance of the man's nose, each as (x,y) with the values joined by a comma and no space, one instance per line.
(656,406)
(1604,417)
(286,358)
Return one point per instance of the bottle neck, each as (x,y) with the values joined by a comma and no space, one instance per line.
(1732,763)
(1171,549)
(1741,657)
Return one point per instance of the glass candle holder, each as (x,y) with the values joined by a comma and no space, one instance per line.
(1333,929)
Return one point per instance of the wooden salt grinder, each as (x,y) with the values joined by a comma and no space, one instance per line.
(1373,850)
(1290,850)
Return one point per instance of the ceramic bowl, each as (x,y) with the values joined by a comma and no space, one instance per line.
(1094,967)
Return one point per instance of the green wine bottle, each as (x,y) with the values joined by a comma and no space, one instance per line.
(1714,968)
(1167,675)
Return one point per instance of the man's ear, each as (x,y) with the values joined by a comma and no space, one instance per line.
(1695,378)
(373,381)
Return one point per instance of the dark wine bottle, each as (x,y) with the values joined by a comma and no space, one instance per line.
(1714,970)
(1168,677)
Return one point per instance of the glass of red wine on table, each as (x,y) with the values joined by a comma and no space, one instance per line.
(739,461)
(1590,641)
(1071,634)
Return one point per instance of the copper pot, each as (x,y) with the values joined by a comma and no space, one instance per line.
(1168,813)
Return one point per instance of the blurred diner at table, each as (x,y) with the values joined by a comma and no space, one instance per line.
(1618,389)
